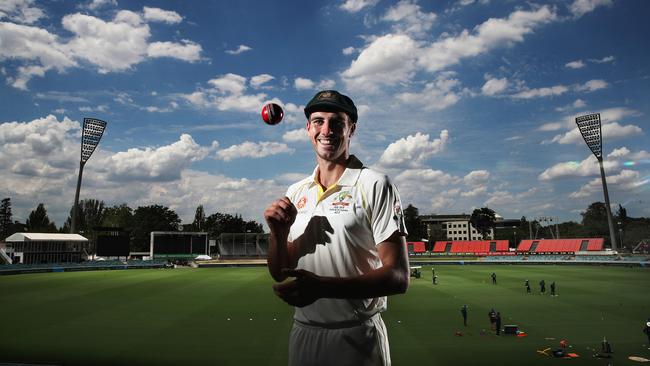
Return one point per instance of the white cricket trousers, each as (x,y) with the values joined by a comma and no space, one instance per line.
(361,344)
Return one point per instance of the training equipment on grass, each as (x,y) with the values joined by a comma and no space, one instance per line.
(272,114)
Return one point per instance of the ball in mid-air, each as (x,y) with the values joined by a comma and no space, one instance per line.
(272,114)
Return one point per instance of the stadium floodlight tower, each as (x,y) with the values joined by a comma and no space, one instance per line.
(590,128)
(92,132)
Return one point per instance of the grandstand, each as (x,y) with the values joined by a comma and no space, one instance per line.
(474,247)
(558,246)
(33,248)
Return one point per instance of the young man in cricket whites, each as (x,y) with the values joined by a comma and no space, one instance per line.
(340,235)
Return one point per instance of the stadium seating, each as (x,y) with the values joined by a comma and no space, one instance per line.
(560,245)
(416,247)
(478,247)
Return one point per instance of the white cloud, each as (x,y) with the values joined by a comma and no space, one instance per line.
(438,94)
(476,178)
(493,33)
(159,164)
(253,150)
(186,51)
(494,86)
(111,46)
(474,192)
(160,15)
(354,6)
(541,92)
(349,50)
(604,60)
(99,108)
(626,180)
(303,83)
(229,83)
(299,135)
(592,85)
(387,60)
(409,19)
(582,7)
(609,131)
(240,49)
(578,64)
(578,103)
(413,150)
(585,168)
(20,11)
(96,4)
(258,81)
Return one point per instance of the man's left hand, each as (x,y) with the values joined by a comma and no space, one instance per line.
(302,291)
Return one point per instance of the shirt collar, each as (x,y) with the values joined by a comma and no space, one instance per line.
(350,175)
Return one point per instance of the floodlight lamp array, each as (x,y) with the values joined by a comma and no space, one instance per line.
(92,132)
(590,128)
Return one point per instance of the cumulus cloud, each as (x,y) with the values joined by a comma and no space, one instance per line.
(413,150)
(578,103)
(582,7)
(186,51)
(253,150)
(110,46)
(409,18)
(395,57)
(258,81)
(303,83)
(159,164)
(299,135)
(348,50)
(240,49)
(609,131)
(604,60)
(160,15)
(578,64)
(20,11)
(438,94)
(541,92)
(354,6)
(625,180)
(592,85)
(228,92)
(494,86)
(476,178)
(96,4)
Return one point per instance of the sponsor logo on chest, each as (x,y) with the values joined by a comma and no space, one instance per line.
(340,202)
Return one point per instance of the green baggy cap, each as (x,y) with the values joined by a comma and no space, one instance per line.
(331,101)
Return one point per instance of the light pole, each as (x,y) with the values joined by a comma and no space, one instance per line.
(92,132)
(620,234)
(590,128)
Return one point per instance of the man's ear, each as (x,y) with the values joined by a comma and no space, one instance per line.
(353,128)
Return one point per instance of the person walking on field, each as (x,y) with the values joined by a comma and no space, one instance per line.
(340,234)
(463,311)
(542,286)
(527,284)
(494,278)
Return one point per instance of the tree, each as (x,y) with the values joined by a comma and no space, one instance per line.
(413,225)
(199,219)
(594,220)
(621,214)
(90,213)
(219,223)
(6,222)
(118,216)
(483,220)
(39,222)
(151,218)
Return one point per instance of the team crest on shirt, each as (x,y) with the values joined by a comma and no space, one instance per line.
(341,202)
(301,203)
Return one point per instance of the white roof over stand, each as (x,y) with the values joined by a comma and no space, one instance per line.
(23,237)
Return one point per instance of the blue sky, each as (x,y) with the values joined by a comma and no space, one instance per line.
(463,103)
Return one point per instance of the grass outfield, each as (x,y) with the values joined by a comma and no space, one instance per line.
(229,316)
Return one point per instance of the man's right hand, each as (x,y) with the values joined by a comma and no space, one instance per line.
(280,215)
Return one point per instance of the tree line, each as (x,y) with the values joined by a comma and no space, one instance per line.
(93,216)
(629,230)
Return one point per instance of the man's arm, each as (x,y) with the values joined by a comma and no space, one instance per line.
(280,215)
(392,278)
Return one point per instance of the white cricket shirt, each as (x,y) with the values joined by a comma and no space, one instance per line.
(337,236)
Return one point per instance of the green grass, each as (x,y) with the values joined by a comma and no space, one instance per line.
(174,317)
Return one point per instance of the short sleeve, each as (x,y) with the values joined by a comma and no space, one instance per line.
(385,210)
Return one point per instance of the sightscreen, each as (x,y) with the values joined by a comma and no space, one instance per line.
(179,244)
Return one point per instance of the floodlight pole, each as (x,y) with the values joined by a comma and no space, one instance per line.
(591,130)
(92,132)
(610,222)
